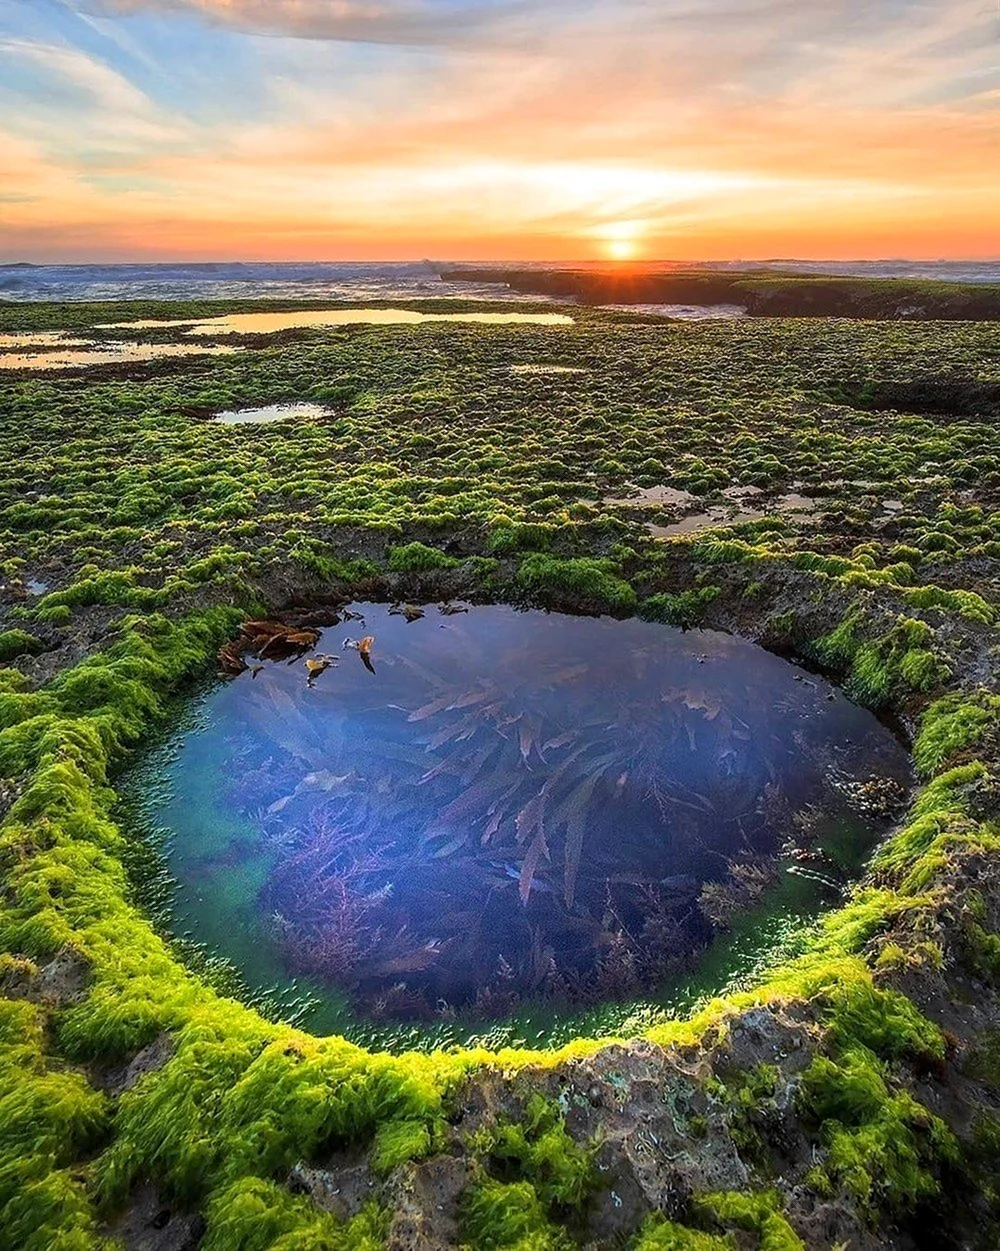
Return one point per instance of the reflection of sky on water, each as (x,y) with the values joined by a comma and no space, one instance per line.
(106,353)
(272,323)
(683,750)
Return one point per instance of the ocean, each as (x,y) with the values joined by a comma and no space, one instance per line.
(361,281)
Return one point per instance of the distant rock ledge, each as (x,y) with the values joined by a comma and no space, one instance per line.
(761,293)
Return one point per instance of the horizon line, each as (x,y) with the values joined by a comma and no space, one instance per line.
(609,263)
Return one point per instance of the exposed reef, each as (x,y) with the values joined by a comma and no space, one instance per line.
(849,1097)
(763,293)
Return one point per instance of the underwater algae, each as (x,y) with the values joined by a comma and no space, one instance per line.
(497,806)
(851,1083)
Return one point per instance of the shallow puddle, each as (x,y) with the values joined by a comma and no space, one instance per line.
(106,354)
(40,339)
(647,497)
(270,412)
(496,808)
(732,512)
(271,323)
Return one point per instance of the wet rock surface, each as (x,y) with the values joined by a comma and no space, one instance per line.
(61,980)
(150,1224)
(424,1200)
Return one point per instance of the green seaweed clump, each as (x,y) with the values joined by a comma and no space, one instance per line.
(591,583)
(508,1217)
(757,1213)
(884,1148)
(878,669)
(14,643)
(533,1178)
(257,1215)
(418,558)
(538,1149)
(952,725)
(683,609)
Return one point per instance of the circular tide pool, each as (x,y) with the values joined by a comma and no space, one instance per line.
(496,808)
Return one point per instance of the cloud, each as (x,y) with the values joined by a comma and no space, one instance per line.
(504,120)
(79,105)
(406,22)
(76,71)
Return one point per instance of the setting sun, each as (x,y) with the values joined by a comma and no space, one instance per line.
(620,240)
(621,249)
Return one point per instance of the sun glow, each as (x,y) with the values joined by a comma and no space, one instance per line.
(621,249)
(621,240)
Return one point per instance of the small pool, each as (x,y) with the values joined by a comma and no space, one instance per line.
(481,810)
(271,323)
(78,355)
(269,413)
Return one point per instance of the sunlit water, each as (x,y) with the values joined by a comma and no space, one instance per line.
(50,350)
(39,358)
(269,413)
(272,323)
(361,281)
(515,815)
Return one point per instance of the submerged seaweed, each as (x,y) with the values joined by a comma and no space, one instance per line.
(518,805)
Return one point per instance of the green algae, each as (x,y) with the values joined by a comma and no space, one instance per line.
(537,1149)
(883,1146)
(242,1098)
(757,1213)
(256,1215)
(262,1096)
(509,1217)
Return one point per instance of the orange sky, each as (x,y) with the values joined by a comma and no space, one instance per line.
(327,129)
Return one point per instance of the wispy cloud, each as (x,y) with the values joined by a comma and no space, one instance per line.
(414,22)
(442,125)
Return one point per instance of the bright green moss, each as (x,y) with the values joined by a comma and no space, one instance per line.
(883,1147)
(418,558)
(508,1217)
(396,1142)
(939,820)
(662,1235)
(966,603)
(538,1149)
(726,552)
(319,559)
(592,582)
(758,1213)
(48,1120)
(883,1021)
(257,1215)
(683,609)
(878,669)
(55,614)
(242,1096)
(534,536)
(952,725)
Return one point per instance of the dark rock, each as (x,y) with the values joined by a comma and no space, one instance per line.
(148,1224)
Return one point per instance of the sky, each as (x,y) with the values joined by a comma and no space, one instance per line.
(158,130)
